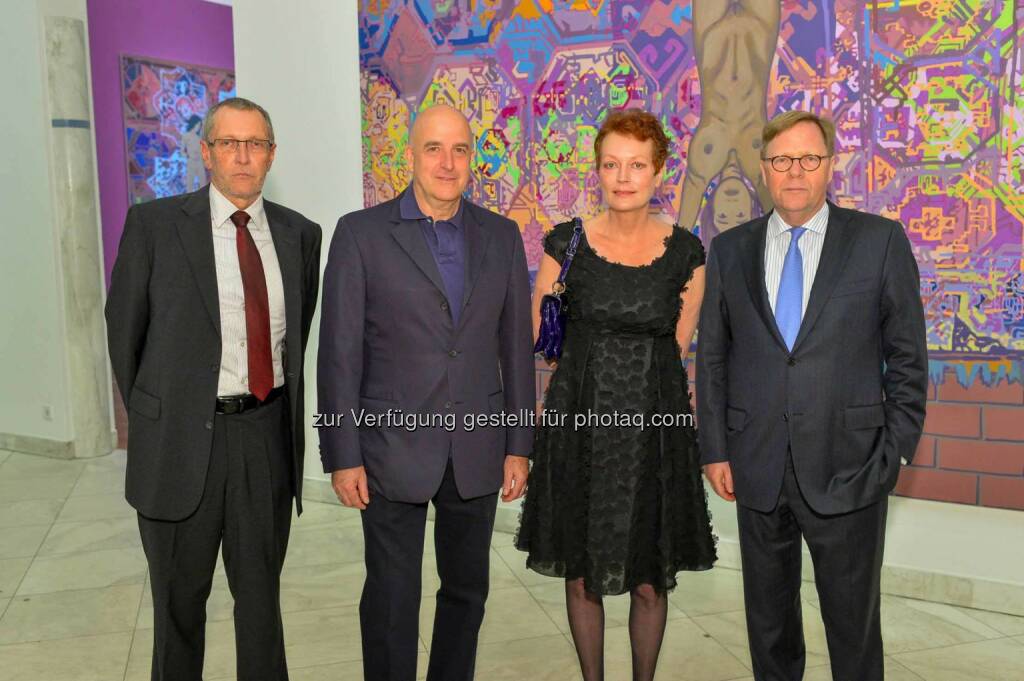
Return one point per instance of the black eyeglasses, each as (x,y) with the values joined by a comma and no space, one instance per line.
(810,162)
(227,144)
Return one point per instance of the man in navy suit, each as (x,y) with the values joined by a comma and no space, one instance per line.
(811,383)
(426,316)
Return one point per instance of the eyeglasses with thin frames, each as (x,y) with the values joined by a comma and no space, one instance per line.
(809,163)
(230,145)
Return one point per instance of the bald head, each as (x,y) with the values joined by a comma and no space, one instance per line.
(439,117)
(440,150)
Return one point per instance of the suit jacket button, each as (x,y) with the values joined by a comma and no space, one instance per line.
(791,362)
(209,425)
(214,368)
(785,417)
(447,405)
(453,353)
(444,306)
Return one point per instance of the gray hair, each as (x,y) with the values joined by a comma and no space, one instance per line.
(238,104)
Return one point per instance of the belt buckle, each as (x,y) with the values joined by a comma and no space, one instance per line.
(232,405)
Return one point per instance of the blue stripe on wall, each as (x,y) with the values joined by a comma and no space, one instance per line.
(70,123)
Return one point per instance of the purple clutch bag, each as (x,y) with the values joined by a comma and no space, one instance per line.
(553,308)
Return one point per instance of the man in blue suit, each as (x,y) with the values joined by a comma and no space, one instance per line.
(426,317)
(812,372)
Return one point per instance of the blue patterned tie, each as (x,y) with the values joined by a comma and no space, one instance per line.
(790,300)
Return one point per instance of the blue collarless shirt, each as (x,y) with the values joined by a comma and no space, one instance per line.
(447,242)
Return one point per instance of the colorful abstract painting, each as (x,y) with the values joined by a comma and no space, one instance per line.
(164,104)
(927,96)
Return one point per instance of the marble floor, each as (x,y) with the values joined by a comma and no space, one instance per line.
(75,603)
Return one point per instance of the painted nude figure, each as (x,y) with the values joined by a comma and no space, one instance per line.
(735,43)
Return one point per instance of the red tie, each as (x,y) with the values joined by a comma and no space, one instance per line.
(257,308)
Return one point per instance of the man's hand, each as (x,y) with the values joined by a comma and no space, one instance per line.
(517,469)
(350,486)
(720,477)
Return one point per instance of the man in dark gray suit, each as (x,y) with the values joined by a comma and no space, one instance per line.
(811,385)
(425,324)
(210,304)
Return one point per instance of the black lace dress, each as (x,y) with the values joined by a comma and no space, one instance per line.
(612,497)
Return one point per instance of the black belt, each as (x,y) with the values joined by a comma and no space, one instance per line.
(610,333)
(236,404)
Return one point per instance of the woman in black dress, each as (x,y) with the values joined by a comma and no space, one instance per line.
(615,501)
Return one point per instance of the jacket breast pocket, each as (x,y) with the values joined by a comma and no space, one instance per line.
(143,403)
(868,416)
(853,288)
(399,296)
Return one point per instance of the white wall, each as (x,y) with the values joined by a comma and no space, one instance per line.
(33,365)
(300,61)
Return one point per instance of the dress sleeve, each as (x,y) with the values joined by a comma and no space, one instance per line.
(697,255)
(556,242)
(690,254)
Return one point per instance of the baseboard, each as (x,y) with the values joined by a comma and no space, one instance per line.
(967,592)
(54,449)
(41,446)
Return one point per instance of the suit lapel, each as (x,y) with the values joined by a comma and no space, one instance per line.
(834,254)
(196,233)
(754,270)
(409,236)
(289,259)
(477,239)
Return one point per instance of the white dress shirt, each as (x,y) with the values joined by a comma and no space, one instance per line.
(777,243)
(234,356)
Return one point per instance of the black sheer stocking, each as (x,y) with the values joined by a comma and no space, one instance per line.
(586,622)
(648,610)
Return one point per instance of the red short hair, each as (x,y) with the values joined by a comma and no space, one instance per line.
(638,124)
